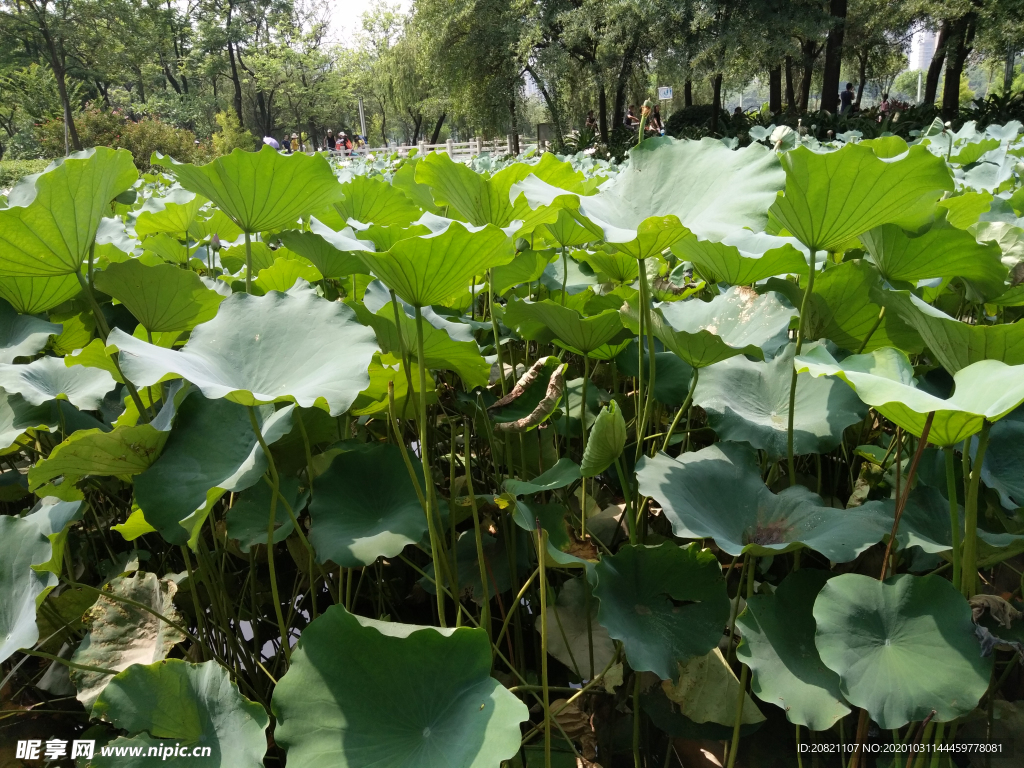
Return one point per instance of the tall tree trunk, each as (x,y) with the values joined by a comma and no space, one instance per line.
(931,83)
(790,94)
(833,57)
(623,79)
(775,89)
(237,82)
(602,110)
(417,121)
(716,101)
(515,126)
(862,73)
(552,107)
(688,93)
(437,128)
(809,51)
(314,134)
(57,65)
(961,43)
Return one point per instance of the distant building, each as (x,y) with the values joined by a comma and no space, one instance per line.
(922,48)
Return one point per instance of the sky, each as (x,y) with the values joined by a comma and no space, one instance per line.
(347,22)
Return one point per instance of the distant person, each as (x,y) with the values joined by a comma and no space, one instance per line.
(738,112)
(846,99)
(656,124)
(330,141)
(295,142)
(286,147)
(591,121)
(631,121)
(885,106)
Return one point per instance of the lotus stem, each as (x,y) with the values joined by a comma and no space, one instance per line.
(583,427)
(969,575)
(685,407)
(275,485)
(637,762)
(901,501)
(792,384)
(485,608)
(497,336)
(200,621)
(565,274)
(543,587)
(954,512)
(734,747)
(645,311)
(428,496)
(248,264)
(401,347)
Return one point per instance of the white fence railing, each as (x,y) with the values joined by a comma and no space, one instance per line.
(455,149)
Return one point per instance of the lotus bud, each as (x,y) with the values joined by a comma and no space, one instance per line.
(215,242)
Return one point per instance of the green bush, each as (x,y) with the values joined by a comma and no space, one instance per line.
(11,171)
(231,134)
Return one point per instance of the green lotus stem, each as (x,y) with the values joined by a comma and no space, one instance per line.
(248,264)
(686,406)
(565,274)
(901,499)
(200,622)
(627,494)
(515,604)
(70,664)
(734,746)
(645,303)
(497,336)
(969,576)
(954,512)
(583,427)
(792,385)
(940,731)
(799,757)
(485,609)
(428,496)
(401,347)
(541,551)
(637,762)
(275,487)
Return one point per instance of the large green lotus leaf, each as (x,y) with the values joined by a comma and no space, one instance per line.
(956,344)
(166,248)
(126,450)
(564,472)
(370,200)
(121,634)
(717,493)
(211,446)
(884,379)
(22,545)
(711,189)
(163,298)
(172,214)
(17,416)
(569,329)
(48,378)
(249,516)
(572,632)
(835,196)
(966,208)
(743,258)
(748,402)
(665,604)
(925,521)
(334,254)
(53,518)
(76,332)
(383,238)
(374,400)
(706,692)
(902,647)
(404,180)
(399,696)
(606,440)
(618,267)
(51,218)
(364,507)
(260,190)
(844,308)
(22,335)
(214,222)
(428,270)
(671,374)
(32,295)
(188,704)
(777,632)
(283,274)
(264,349)
(440,351)
(1004,458)
(526,267)
(942,251)
(571,228)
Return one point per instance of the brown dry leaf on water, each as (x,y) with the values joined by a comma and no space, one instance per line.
(578,726)
(998,608)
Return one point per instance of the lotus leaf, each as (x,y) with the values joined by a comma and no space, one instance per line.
(22,545)
(249,516)
(401,695)
(884,379)
(121,634)
(334,254)
(364,507)
(833,197)
(172,214)
(564,472)
(283,274)
(572,632)
(370,200)
(777,644)
(32,295)
(570,330)
(743,259)
(526,267)
(163,298)
(606,440)
(48,378)
(665,604)
(260,190)
(717,493)
(707,690)
(902,647)
(748,402)
(264,349)
(51,218)
(189,704)
(22,335)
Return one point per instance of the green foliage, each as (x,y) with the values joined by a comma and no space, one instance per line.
(231,135)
